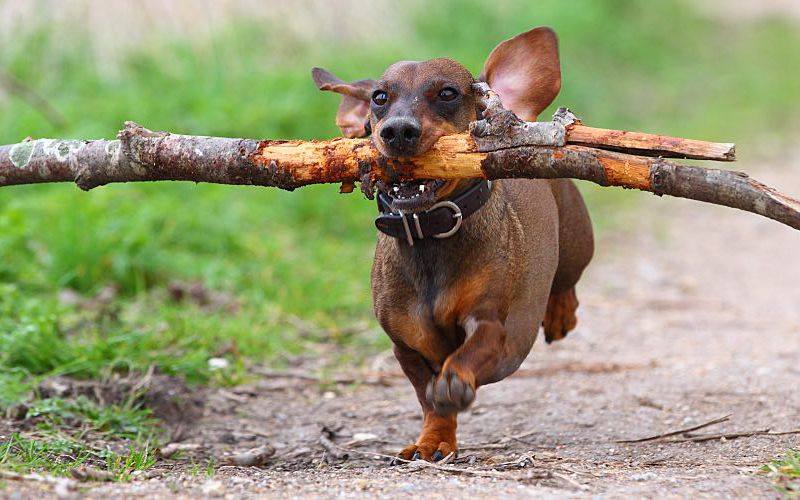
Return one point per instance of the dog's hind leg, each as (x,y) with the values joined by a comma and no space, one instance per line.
(560,319)
(575,249)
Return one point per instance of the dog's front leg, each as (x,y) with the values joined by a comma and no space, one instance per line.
(471,365)
(438,436)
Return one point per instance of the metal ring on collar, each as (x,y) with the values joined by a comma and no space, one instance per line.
(456,215)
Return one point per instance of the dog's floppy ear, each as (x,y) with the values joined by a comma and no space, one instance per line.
(525,72)
(352,117)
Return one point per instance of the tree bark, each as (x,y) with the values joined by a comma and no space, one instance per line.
(141,155)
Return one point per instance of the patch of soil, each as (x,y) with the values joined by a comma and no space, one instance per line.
(687,315)
(169,398)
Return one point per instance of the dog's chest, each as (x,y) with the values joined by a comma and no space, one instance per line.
(416,308)
(436,331)
(428,314)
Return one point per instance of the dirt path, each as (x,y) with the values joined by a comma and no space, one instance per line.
(688,314)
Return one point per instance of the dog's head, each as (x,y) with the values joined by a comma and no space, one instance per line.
(415,103)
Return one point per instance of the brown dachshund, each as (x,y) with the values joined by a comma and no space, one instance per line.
(466,270)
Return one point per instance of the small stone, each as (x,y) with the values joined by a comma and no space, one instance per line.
(171,449)
(251,458)
(364,436)
(218,364)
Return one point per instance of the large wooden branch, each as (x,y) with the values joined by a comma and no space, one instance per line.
(500,146)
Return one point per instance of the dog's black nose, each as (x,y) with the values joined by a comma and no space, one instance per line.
(401,135)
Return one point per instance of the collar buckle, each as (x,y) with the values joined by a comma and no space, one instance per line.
(457,215)
(442,220)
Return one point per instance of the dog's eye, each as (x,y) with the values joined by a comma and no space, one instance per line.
(448,94)
(379,97)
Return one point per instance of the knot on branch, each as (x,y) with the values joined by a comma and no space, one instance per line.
(130,138)
(128,158)
(662,177)
(499,128)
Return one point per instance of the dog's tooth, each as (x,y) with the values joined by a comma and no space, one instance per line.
(396,189)
(421,188)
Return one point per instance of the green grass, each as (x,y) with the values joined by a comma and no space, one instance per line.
(122,467)
(785,473)
(125,421)
(206,468)
(656,66)
(54,456)
(59,456)
(68,433)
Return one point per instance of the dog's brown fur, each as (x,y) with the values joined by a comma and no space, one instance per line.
(465,311)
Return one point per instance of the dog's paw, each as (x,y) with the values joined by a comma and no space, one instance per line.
(559,319)
(452,391)
(431,450)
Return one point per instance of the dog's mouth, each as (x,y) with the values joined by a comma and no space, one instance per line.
(411,196)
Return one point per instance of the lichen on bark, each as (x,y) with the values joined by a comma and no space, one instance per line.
(21,153)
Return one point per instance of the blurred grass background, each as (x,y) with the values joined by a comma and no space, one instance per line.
(241,69)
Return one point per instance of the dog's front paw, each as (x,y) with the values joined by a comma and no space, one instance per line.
(452,391)
(436,441)
(431,450)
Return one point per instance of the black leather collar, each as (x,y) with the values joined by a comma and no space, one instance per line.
(440,221)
